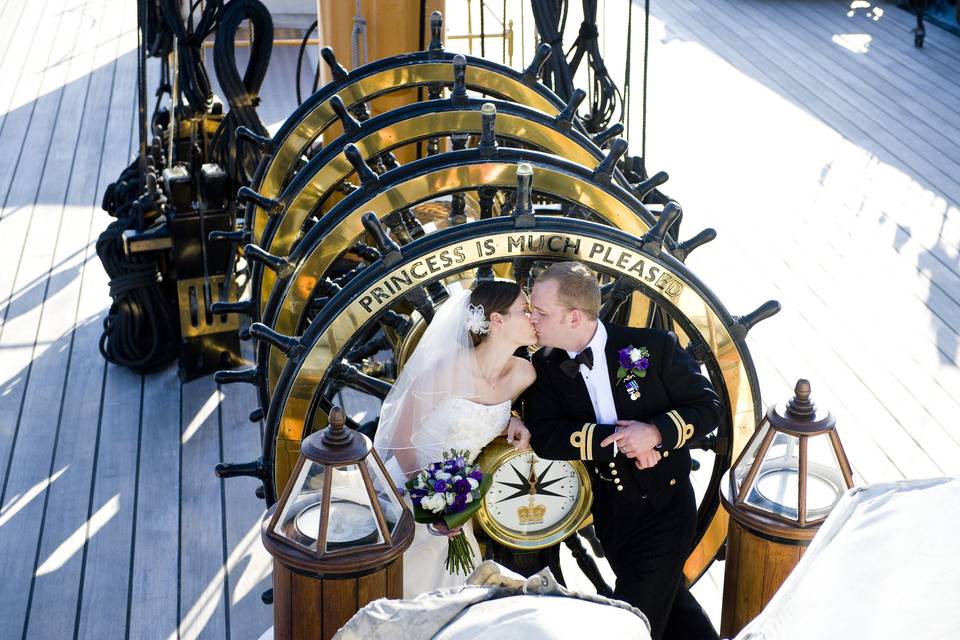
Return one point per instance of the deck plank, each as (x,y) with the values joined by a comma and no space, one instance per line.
(796,233)
(888,54)
(20,72)
(14,223)
(155,573)
(841,110)
(39,326)
(202,611)
(58,565)
(102,612)
(789,34)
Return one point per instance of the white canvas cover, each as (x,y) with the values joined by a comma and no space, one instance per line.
(497,604)
(885,564)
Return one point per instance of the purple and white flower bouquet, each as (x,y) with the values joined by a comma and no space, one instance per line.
(450,491)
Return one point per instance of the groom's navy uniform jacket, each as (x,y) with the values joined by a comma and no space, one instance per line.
(645,519)
(674,396)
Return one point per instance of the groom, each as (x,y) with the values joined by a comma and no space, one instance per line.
(632,433)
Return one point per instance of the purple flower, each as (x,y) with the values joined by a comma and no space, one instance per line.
(439,486)
(476,474)
(624,356)
(462,487)
(643,364)
(459,504)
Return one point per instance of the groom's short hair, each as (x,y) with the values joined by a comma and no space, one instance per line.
(577,286)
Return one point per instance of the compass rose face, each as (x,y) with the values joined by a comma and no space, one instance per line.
(529,494)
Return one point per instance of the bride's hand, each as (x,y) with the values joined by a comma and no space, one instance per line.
(442,530)
(517,434)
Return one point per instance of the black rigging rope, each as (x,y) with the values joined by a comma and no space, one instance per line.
(302,52)
(242,94)
(142,328)
(194,82)
(551,19)
(604,97)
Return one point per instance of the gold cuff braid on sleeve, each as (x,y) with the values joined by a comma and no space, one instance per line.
(583,440)
(684,428)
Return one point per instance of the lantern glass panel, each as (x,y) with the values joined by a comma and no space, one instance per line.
(352,521)
(825,482)
(299,521)
(776,487)
(386,496)
(749,456)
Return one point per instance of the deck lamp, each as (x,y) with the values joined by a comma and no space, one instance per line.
(783,486)
(337,534)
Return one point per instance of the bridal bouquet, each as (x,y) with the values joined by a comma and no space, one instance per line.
(450,491)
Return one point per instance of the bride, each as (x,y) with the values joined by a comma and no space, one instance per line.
(455,392)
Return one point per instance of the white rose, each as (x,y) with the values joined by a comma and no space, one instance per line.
(636,354)
(469,498)
(451,497)
(425,503)
(473,483)
(442,475)
(437,503)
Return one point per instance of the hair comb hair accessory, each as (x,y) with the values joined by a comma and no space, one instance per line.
(476,320)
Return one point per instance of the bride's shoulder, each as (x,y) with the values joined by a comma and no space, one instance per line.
(522,371)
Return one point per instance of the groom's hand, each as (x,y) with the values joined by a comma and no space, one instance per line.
(636,440)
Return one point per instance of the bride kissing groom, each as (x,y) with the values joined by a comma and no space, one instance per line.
(627,402)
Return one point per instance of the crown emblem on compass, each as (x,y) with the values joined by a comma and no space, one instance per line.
(531,513)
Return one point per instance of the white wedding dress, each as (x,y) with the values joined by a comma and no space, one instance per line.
(469,426)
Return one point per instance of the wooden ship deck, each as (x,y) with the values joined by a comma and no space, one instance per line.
(813,136)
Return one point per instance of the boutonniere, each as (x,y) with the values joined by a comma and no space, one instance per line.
(633,364)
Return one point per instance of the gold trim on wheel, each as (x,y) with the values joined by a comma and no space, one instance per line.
(303,203)
(314,123)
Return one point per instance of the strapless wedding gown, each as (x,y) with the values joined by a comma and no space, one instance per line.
(471,427)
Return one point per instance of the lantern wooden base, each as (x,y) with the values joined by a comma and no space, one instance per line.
(315,608)
(756,566)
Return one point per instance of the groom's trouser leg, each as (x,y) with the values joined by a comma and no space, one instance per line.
(646,550)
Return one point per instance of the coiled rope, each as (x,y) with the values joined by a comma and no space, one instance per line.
(242,94)
(142,328)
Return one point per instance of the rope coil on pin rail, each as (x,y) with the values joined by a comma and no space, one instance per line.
(238,157)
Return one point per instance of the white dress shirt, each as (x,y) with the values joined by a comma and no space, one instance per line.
(598,378)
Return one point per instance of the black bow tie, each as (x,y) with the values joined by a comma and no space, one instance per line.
(572,366)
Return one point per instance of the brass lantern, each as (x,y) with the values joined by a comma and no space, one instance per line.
(784,485)
(337,534)
(794,469)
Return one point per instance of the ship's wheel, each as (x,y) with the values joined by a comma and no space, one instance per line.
(352,252)
(637,269)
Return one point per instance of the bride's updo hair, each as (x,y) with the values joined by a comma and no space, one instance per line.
(495,297)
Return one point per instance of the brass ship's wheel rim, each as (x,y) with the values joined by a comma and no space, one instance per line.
(393,129)
(316,114)
(289,300)
(296,410)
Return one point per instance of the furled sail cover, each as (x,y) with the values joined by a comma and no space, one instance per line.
(885,564)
